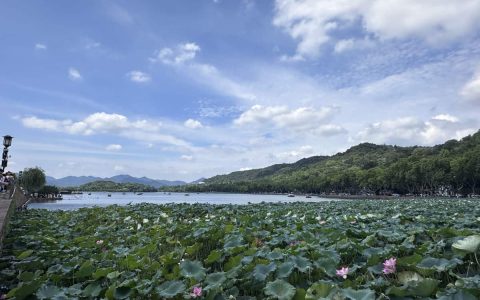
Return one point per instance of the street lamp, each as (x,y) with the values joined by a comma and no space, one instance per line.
(7,142)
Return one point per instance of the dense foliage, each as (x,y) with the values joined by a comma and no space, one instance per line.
(110,186)
(332,250)
(447,169)
(48,189)
(32,179)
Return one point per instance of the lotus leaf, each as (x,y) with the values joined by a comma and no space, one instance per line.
(215,280)
(170,289)
(438,264)
(261,272)
(280,289)
(192,269)
(92,290)
(407,276)
(359,294)
(49,292)
(470,244)
(285,269)
(25,254)
(320,290)
(122,292)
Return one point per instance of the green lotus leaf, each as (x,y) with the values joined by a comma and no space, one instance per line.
(425,287)
(122,292)
(75,290)
(301,263)
(458,295)
(438,264)
(407,276)
(26,276)
(420,288)
(102,272)
(233,241)
(113,275)
(470,244)
(358,294)
(86,269)
(233,262)
(285,269)
(170,289)
(326,265)
(261,271)
(215,280)
(280,289)
(192,269)
(24,289)
(48,292)
(25,254)
(274,255)
(214,256)
(92,290)
(320,290)
(408,261)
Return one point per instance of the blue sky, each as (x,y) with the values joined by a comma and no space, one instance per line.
(187,89)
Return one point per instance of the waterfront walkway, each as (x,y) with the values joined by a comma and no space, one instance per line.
(9,201)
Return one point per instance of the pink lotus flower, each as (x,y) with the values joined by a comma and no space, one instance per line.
(196,291)
(99,242)
(343,272)
(390,266)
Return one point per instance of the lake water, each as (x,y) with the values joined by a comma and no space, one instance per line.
(101,199)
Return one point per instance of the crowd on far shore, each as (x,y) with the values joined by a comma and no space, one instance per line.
(6,179)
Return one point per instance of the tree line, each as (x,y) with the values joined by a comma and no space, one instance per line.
(452,168)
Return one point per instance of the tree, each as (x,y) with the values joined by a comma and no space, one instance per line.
(48,189)
(33,179)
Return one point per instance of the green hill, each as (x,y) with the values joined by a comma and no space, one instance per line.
(449,168)
(110,186)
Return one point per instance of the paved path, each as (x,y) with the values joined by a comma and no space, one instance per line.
(6,208)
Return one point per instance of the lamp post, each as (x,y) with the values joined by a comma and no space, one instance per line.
(7,142)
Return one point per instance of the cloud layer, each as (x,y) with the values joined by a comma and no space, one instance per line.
(313,23)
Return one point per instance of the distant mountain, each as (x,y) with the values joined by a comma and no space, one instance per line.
(71,181)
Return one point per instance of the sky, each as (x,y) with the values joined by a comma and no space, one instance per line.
(185,89)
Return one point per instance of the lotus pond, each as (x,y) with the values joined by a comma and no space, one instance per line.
(392,249)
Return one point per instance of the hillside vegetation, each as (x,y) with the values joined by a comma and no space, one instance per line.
(110,186)
(449,168)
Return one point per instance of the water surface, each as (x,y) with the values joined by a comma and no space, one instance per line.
(101,199)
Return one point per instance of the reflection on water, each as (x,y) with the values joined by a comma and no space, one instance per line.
(102,199)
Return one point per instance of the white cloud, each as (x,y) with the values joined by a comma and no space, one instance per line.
(193,124)
(245,169)
(118,168)
(74,74)
(446,117)
(40,46)
(113,147)
(104,123)
(409,131)
(314,23)
(302,119)
(343,45)
(303,151)
(90,44)
(138,76)
(186,157)
(471,90)
(180,54)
